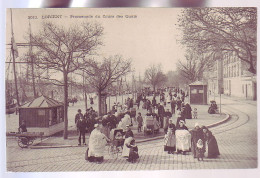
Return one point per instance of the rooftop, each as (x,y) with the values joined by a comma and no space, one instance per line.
(42,102)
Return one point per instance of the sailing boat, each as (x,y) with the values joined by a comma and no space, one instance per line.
(12,104)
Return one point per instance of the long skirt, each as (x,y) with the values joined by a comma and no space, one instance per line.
(170,142)
(213,150)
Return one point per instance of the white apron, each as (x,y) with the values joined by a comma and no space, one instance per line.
(126,150)
(97,143)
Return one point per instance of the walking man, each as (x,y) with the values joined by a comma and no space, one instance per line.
(81,125)
(161,112)
(77,117)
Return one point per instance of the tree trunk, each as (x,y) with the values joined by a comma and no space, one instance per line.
(99,103)
(86,99)
(65,132)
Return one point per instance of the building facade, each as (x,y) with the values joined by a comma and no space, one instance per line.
(236,80)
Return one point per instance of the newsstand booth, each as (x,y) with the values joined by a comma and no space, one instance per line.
(43,114)
(198,93)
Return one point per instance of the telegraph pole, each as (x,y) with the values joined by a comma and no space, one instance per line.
(32,62)
(12,49)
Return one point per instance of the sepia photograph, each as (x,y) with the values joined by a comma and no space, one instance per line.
(131,89)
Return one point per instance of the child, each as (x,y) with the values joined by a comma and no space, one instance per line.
(200,150)
(195,113)
(140,122)
(133,154)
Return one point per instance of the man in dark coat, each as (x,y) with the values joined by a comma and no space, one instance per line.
(161,112)
(148,104)
(178,103)
(173,105)
(78,116)
(81,125)
(154,102)
(168,113)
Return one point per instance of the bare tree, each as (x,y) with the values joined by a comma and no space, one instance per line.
(154,76)
(103,74)
(194,65)
(226,30)
(64,50)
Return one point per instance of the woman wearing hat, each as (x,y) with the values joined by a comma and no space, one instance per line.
(97,142)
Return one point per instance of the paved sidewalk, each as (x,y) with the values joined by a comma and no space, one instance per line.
(203,119)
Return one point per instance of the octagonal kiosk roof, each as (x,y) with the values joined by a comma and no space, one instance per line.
(42,102)
(198,83)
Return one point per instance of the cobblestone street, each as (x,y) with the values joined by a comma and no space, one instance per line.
(236,139)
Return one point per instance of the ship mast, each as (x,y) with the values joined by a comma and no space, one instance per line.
(14,50)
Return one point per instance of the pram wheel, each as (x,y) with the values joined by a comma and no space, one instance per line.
(113,151)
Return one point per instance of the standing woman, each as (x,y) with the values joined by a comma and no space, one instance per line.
(188,111)
(196,134)
(212,145)
(170,140)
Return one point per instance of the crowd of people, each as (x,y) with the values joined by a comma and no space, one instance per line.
(177,139)
(199,141)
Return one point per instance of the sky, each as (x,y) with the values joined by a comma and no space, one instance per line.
(149,38)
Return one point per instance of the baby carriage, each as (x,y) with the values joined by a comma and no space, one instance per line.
(183,141)
(116,144)
(148,125)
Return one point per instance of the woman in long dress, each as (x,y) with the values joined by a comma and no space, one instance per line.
(212,145)
(170,140)
(196,134)
(97,142)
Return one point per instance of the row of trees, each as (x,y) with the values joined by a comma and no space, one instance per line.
(74,49)
(208,33)
(155,77)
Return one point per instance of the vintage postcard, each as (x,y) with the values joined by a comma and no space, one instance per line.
(122,89)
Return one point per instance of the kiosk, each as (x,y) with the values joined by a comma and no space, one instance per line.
(198,93)
(42,114)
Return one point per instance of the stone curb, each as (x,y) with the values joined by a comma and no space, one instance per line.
(137,141)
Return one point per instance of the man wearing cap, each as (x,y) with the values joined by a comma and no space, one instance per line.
(81,126)
(77,117)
